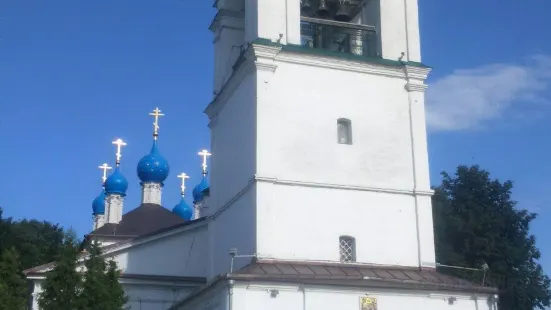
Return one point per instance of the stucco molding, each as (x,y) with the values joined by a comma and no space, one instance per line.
(340,64)
(226,15)
(259,57)
(274,180)
(416,77)
(417,192)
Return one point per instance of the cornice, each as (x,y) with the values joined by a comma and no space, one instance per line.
(274,180)
(416,77)
(340,64)
(264,55)
(222,15)
(257,57)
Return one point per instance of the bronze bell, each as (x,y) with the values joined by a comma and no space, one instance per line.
(323,11)
(344,14)
(306,7)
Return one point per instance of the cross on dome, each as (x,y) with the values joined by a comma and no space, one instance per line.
(104,167)
(183,176)
(204,154)
(156,114)
(119,143)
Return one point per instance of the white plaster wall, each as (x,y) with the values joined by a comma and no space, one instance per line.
(233,141)
(299,223)
(334,186)
(182,254)
(154,296)
(229,38)
(272,19)
(281,127)
(298,110)
(216,298)
(235,228)
(151,193)
(399,29)
(290,297)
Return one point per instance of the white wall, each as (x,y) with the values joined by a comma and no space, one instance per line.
(400,29)
(181,254)
(279,128)
(235,228)
(297,128)
(328,189)
(233,141)
(215,298)
(256,296)
(154,296)
(305,223)
(292,298)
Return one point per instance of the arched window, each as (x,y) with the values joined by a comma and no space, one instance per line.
(347,248)
(344,131)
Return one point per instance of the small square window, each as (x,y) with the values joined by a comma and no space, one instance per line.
(344,131)
(347,248)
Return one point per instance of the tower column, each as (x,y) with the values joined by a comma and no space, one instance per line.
(151,193)
(99,221)
(113,208)
(273,20)
(419,152)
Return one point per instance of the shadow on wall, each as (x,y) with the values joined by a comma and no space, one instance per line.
(159,273)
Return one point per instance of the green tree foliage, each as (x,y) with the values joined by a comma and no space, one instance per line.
(101,288)
(13,287)
(62,284)
(36,242)
(477,222)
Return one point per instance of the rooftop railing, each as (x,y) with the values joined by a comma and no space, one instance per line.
(339,37)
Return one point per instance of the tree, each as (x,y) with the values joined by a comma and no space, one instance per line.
(476,222)
(13,287)
(117,296)
(101,288)
(36,242)
(62,284)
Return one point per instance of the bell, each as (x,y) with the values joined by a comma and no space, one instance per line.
(323,11)
(306,7)
(344,14)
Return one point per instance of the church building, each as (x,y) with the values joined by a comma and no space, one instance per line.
(318,195)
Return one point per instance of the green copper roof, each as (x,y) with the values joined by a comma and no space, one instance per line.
(322,52)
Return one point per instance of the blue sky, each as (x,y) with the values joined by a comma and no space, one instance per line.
(74,75)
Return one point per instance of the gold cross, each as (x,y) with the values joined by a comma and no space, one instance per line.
(204,154)
(183,176)
(104,167)
(156,114)
(119,143)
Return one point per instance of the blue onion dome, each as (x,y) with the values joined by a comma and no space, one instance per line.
(116,183)
(183,210)
(98,206)
(199,188)
(153,167)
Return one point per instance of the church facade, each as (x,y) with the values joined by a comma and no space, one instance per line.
(319,193)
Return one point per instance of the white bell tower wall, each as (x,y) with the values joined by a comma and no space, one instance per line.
(286,183)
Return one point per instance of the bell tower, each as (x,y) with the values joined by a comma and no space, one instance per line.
(318,134)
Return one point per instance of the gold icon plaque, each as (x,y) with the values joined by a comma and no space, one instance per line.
(368,303)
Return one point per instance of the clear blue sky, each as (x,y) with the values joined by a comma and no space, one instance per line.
(76,74)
